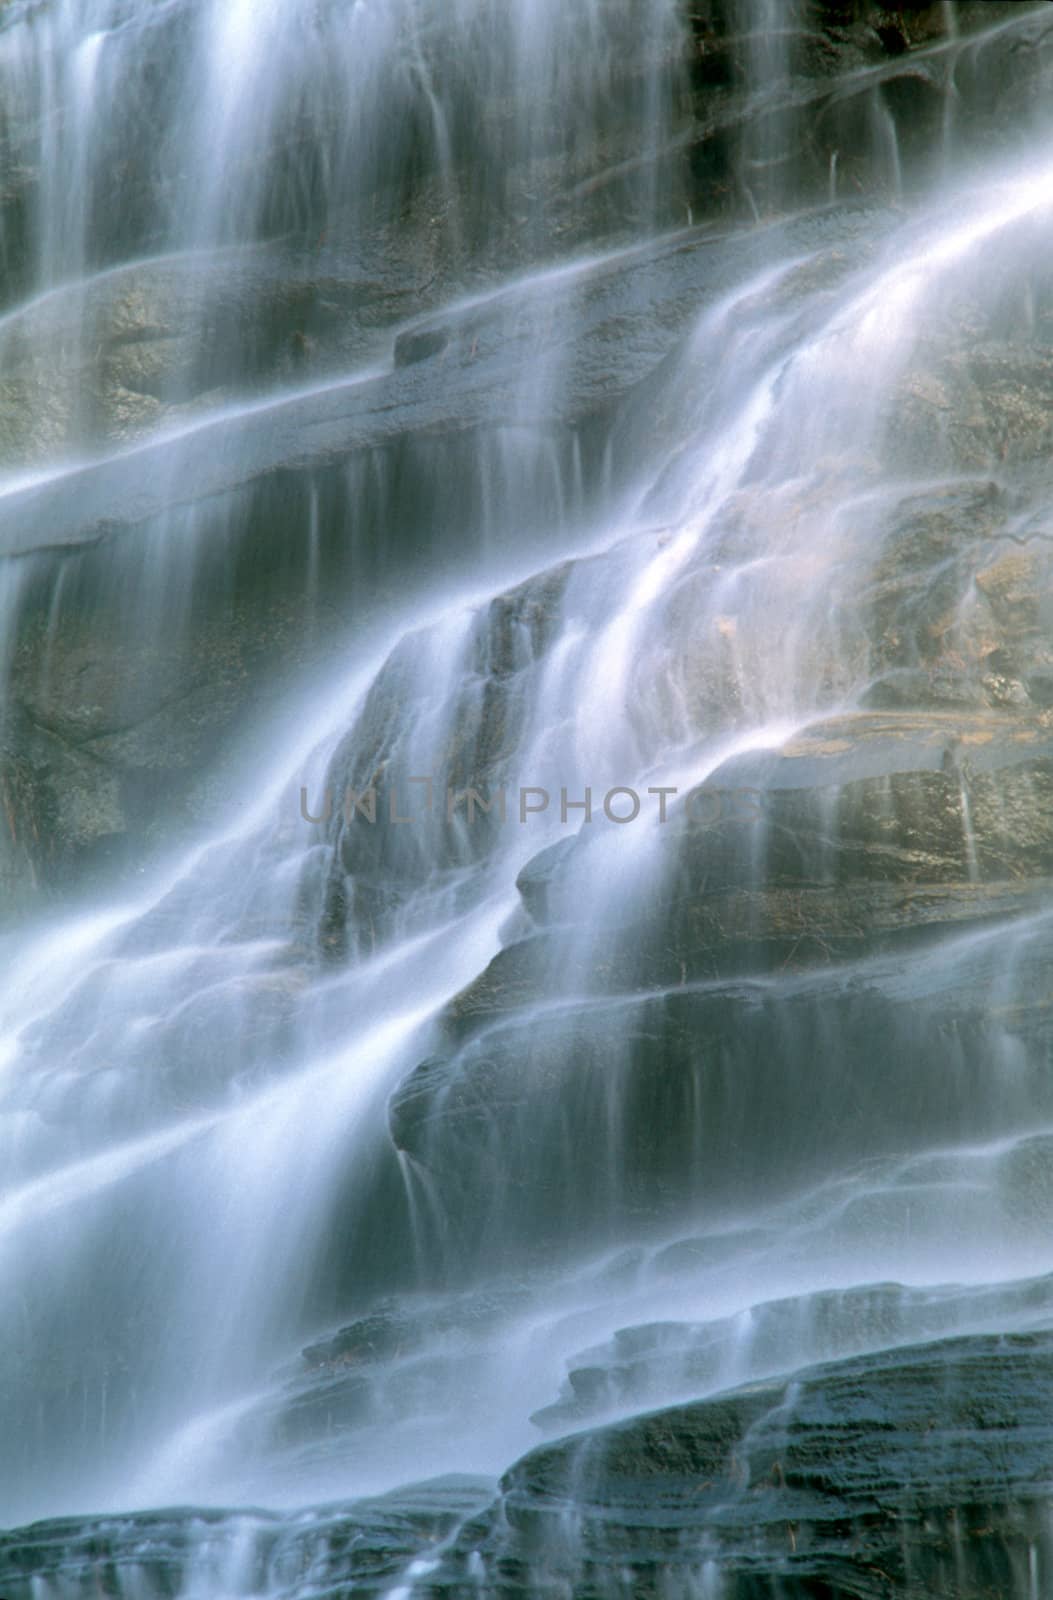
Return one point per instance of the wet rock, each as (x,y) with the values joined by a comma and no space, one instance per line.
(857,98)
(956,608)
(911,1473)
(907,797)
(908,688)
(645,1366)
(361,1547)
(402,1357)
(780,949)
(420,345)
(1040,689)
(105,362)
(620,338)
(982,401)
(602,1118)
(27,831)
(377,864)
(860,829)
(122,738)
(1010,587)
(538,882)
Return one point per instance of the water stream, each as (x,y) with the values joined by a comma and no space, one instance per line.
(211,1161)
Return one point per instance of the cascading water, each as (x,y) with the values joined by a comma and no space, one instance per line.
(400,497)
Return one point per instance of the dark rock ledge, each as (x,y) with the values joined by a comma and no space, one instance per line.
(920,1473)
(917,1473)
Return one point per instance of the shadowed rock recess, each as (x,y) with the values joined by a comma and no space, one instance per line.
(526,800)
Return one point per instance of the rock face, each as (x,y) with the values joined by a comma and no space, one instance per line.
(345,1550)
(792,941)
(833,951)
(643,1367)
(118,741)
(149,342)
(669,1083)
(916,1473)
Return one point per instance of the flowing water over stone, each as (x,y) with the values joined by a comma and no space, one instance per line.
(527,762)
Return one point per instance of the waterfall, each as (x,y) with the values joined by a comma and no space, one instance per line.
(526,759)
